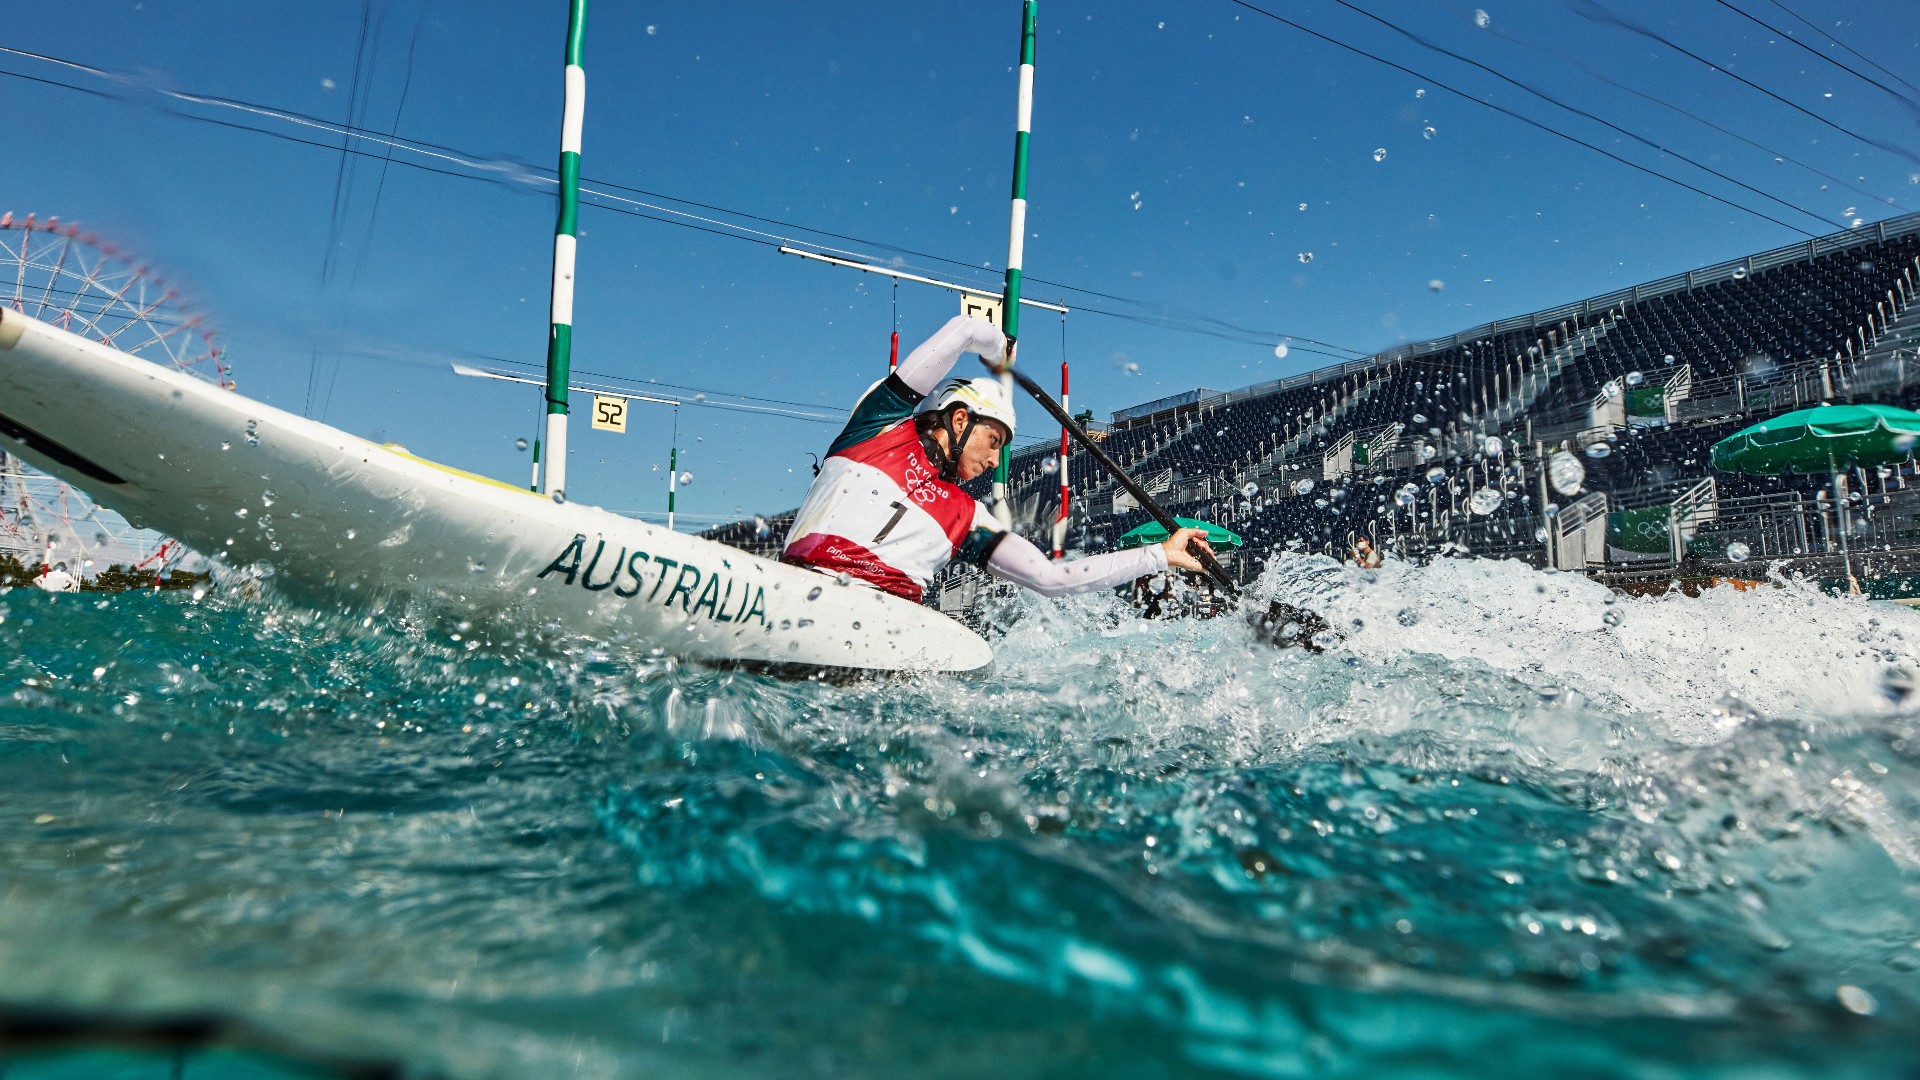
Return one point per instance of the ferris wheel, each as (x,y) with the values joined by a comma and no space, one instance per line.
(73,279)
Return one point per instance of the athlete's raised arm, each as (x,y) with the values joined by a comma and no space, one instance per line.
(925,366)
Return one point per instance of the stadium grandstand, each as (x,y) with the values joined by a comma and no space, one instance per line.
(1576,437)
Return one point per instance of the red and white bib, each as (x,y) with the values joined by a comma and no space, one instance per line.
(879,511)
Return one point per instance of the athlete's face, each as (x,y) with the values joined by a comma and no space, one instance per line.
(982,451)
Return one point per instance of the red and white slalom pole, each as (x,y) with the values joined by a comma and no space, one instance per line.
(1060,522)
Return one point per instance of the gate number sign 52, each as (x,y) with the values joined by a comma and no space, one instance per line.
(609,413)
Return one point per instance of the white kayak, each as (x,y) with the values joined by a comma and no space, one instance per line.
(339,517)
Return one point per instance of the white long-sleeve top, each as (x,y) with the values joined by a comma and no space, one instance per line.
(879,512)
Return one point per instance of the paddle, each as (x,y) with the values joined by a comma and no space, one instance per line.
(1139,493)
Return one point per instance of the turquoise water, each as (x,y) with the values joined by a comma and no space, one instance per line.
(1512,826)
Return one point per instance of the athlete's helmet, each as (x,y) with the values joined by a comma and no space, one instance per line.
(986,399)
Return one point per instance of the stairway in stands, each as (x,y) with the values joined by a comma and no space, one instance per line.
(1891,360)
(1276,460)
(1528,389)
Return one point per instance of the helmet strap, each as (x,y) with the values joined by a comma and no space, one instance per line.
(950,458)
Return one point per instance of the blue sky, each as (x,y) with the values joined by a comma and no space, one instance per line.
(1174,148)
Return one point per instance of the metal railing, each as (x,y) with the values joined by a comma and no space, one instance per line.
(1579,532)
(1698,506)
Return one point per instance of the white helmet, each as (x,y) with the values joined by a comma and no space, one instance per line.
(985,399)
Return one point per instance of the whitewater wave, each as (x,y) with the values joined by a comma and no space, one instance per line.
(1510,817)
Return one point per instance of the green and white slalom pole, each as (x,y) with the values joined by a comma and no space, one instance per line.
(1016,244)
(560,339)
(673,468)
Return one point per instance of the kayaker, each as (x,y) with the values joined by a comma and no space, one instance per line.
(887,508)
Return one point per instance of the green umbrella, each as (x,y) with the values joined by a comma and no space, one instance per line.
(1827,439)
(1820,440)
(1153,532)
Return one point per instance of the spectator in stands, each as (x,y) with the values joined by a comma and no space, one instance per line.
(887,509)
(1364,556)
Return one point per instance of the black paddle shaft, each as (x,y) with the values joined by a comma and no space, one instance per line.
(1139,493)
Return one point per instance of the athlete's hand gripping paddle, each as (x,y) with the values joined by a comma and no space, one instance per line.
(1146,501)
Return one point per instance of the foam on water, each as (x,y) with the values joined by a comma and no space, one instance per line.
(1693,666)
(1512,818)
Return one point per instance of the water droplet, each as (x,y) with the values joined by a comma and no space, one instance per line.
(1320,504)
(1436,285)
(240,513)
(1599,450)
(843,578)
(1280,351)
(1419,418)
(814,594)
(1481,19)
(1428,132)
(1493,447)
(519,444)
(1738,552)
(1634,378)
(1739,273)
(1565,473)
(1303,207)
(559,497)
(1436,474)
(1898,684)
(475,566)
(1380,154)
(1540,535)
(1305,256)
(1132,368)
(1667,359)
(1302,487)
(1050,465)
(686,478)
(1407,495)
(226,446)
(350,534)
(1485,501)
(760,528)
(1857,1001)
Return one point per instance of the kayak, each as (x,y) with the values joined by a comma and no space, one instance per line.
(333,517)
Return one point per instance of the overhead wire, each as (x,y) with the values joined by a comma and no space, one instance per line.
(340,188)
(1843,45)
(380,187)
(1529,121)
(1601,15)
(507,172)
(1577,111)
(1565,57)
(1903,99)
(358,102)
